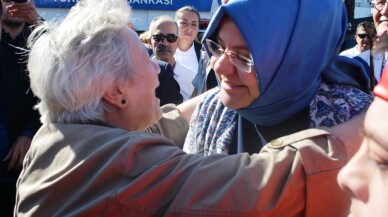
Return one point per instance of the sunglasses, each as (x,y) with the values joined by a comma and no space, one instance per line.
(171,38)
(362,36)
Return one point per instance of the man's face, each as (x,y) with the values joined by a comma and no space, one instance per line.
(164,49)
(363,40)
(380,18)
(6,19)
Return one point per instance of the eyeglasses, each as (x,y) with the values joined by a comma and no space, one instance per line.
(363,35)
(379,4)
(238,60)
(171,38)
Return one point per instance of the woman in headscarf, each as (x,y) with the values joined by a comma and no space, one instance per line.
(279,73)
(96,85)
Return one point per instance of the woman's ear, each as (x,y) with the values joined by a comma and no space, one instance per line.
(116,96)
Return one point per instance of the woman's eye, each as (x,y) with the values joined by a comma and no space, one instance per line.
(242,59)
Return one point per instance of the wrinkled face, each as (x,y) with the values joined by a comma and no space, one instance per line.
(238,88)
(6,19)
(143,107)
(363,41)
(188,24)
(164,50)
(380,19)
(365,177)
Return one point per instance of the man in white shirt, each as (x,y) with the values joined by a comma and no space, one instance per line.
(362,38)
(163,41)
(380,18)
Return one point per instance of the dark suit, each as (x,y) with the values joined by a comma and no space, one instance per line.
(168,90)
(197,48)
(19,117)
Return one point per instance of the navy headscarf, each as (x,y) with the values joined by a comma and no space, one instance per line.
(293,44)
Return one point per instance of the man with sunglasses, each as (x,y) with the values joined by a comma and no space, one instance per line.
(363,38)
(164,42)
(380,19)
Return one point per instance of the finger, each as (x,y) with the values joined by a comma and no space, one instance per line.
(19,164)
(9,155)
(13,161)
(15,155)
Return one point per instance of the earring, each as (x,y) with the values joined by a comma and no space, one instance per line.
(123,101)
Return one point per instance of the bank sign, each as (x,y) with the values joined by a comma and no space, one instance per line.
(170,5)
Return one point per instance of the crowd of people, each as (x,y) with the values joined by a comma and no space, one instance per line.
(95,121)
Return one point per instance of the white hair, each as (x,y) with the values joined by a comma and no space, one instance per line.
(73,63)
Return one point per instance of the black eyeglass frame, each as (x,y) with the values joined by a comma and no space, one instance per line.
(171,38)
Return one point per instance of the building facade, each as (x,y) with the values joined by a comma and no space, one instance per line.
(143,10)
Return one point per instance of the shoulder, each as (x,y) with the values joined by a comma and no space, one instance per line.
(311,143)
(319,156)
(100,134)
(363,56)
(297,137)
(346,52)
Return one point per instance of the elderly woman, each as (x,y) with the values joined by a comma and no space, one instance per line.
(279,73)
(96,85)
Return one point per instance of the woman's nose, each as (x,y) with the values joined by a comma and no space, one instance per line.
(223,65)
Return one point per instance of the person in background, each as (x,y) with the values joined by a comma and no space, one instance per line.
(189,50)
(206,78)
(364,177)
(131,26)
(144,38)
(266,93)
(163,41)
(380,16)
(364,42)
(18,119)
(96,85)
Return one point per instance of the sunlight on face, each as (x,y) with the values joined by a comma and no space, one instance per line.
(143,109)
(365,177)
(238,88)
